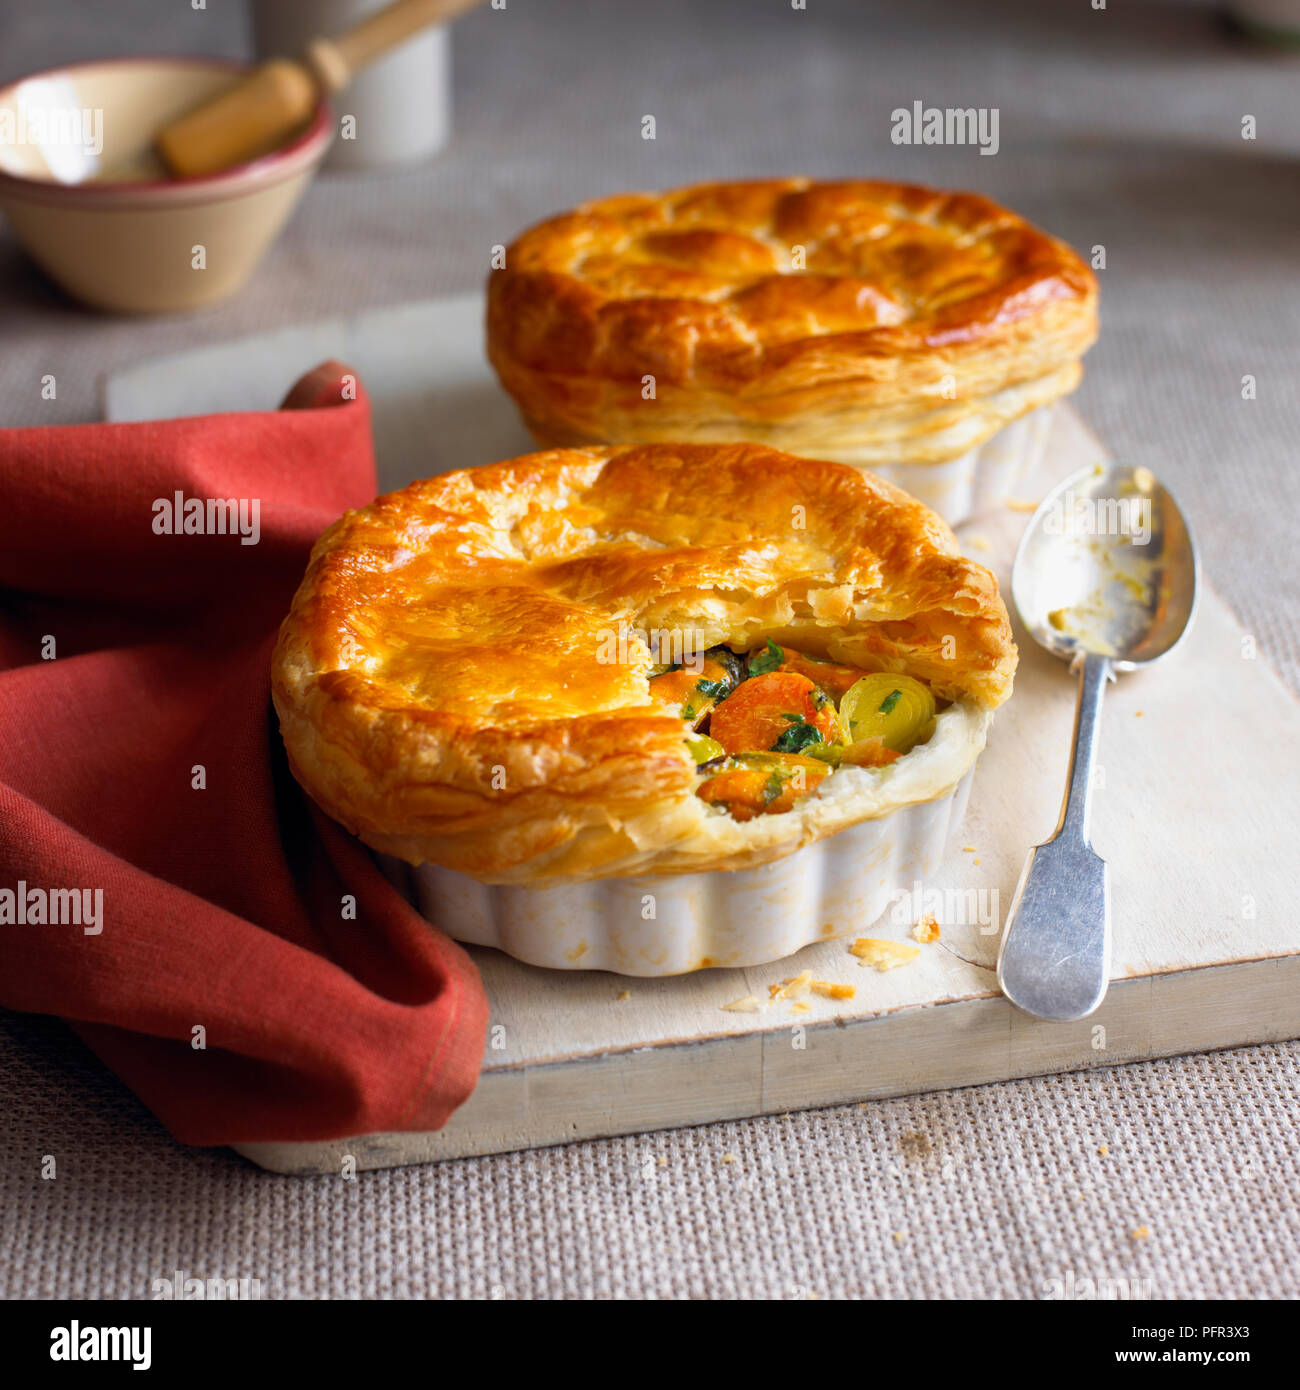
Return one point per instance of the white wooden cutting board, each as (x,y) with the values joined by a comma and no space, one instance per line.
(1197,810)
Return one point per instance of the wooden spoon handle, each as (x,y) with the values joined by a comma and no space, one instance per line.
(259,112)
(334,60)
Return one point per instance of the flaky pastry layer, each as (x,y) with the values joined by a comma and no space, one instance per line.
(463,675)
(860,321)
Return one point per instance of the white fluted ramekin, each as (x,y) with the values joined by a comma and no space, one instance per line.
(981,479)
(669,925)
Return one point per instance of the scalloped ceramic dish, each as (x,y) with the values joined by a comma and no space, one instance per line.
(981,479)
(670,925)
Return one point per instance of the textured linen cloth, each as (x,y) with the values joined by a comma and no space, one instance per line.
(219,905)
(1119,128)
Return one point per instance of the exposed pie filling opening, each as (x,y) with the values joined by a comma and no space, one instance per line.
(767,727)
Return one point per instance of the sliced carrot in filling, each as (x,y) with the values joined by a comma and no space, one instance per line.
(695,691)
(765,788)
(755,716)
(870,752)
(833,679)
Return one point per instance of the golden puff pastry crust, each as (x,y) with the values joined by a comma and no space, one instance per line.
(463,675)
(867,322)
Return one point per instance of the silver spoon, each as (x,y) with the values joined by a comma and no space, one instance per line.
(1106,579)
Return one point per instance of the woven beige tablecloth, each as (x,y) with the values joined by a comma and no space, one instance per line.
(1120,127)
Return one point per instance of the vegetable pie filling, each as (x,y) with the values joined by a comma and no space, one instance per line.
(768,727)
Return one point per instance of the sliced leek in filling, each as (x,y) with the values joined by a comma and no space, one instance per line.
(768,728)
(898,710)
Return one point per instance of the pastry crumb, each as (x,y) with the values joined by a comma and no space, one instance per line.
(969,849)
(799,985)
(1137,714)
(794,988)
(900,1236)
(884,955)
(624,994)
(976,860)
(1139,1233)
(1021,504)
(829,990)
(750,1004)
(1104,1150)
(729,1158)
(980,543)
(927,929)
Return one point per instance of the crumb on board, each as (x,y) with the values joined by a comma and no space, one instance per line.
(1021,504)
(980,543)
(829,990)
(750,1004)
(969,849)
(884,955)
(976,860)
(799,1007)
(927,929)
(728,1158)
(793,988)
(624,994)
(1137,714)
(1104,1150)
(803,984)
(900,1236)
(1139,1233)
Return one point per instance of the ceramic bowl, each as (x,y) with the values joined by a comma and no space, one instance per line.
(91,205)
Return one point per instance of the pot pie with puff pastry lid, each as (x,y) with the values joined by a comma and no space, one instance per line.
(867,322)
(589,663)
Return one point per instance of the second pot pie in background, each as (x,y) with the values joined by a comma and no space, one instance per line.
(916,333)
(559,684)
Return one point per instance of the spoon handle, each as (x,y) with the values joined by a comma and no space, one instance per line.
(1054,961)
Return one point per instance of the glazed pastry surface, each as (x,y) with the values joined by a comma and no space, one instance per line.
(464,674)
(860,321)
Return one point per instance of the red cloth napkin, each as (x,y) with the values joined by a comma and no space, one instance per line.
(128,659)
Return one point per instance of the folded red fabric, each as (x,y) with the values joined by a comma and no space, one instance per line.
(165,887)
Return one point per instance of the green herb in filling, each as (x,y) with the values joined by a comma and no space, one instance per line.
(768,661)
(798,736)
(890,700)
(773,786)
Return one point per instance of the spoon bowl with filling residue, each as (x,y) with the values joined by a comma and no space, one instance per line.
(1106,579)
